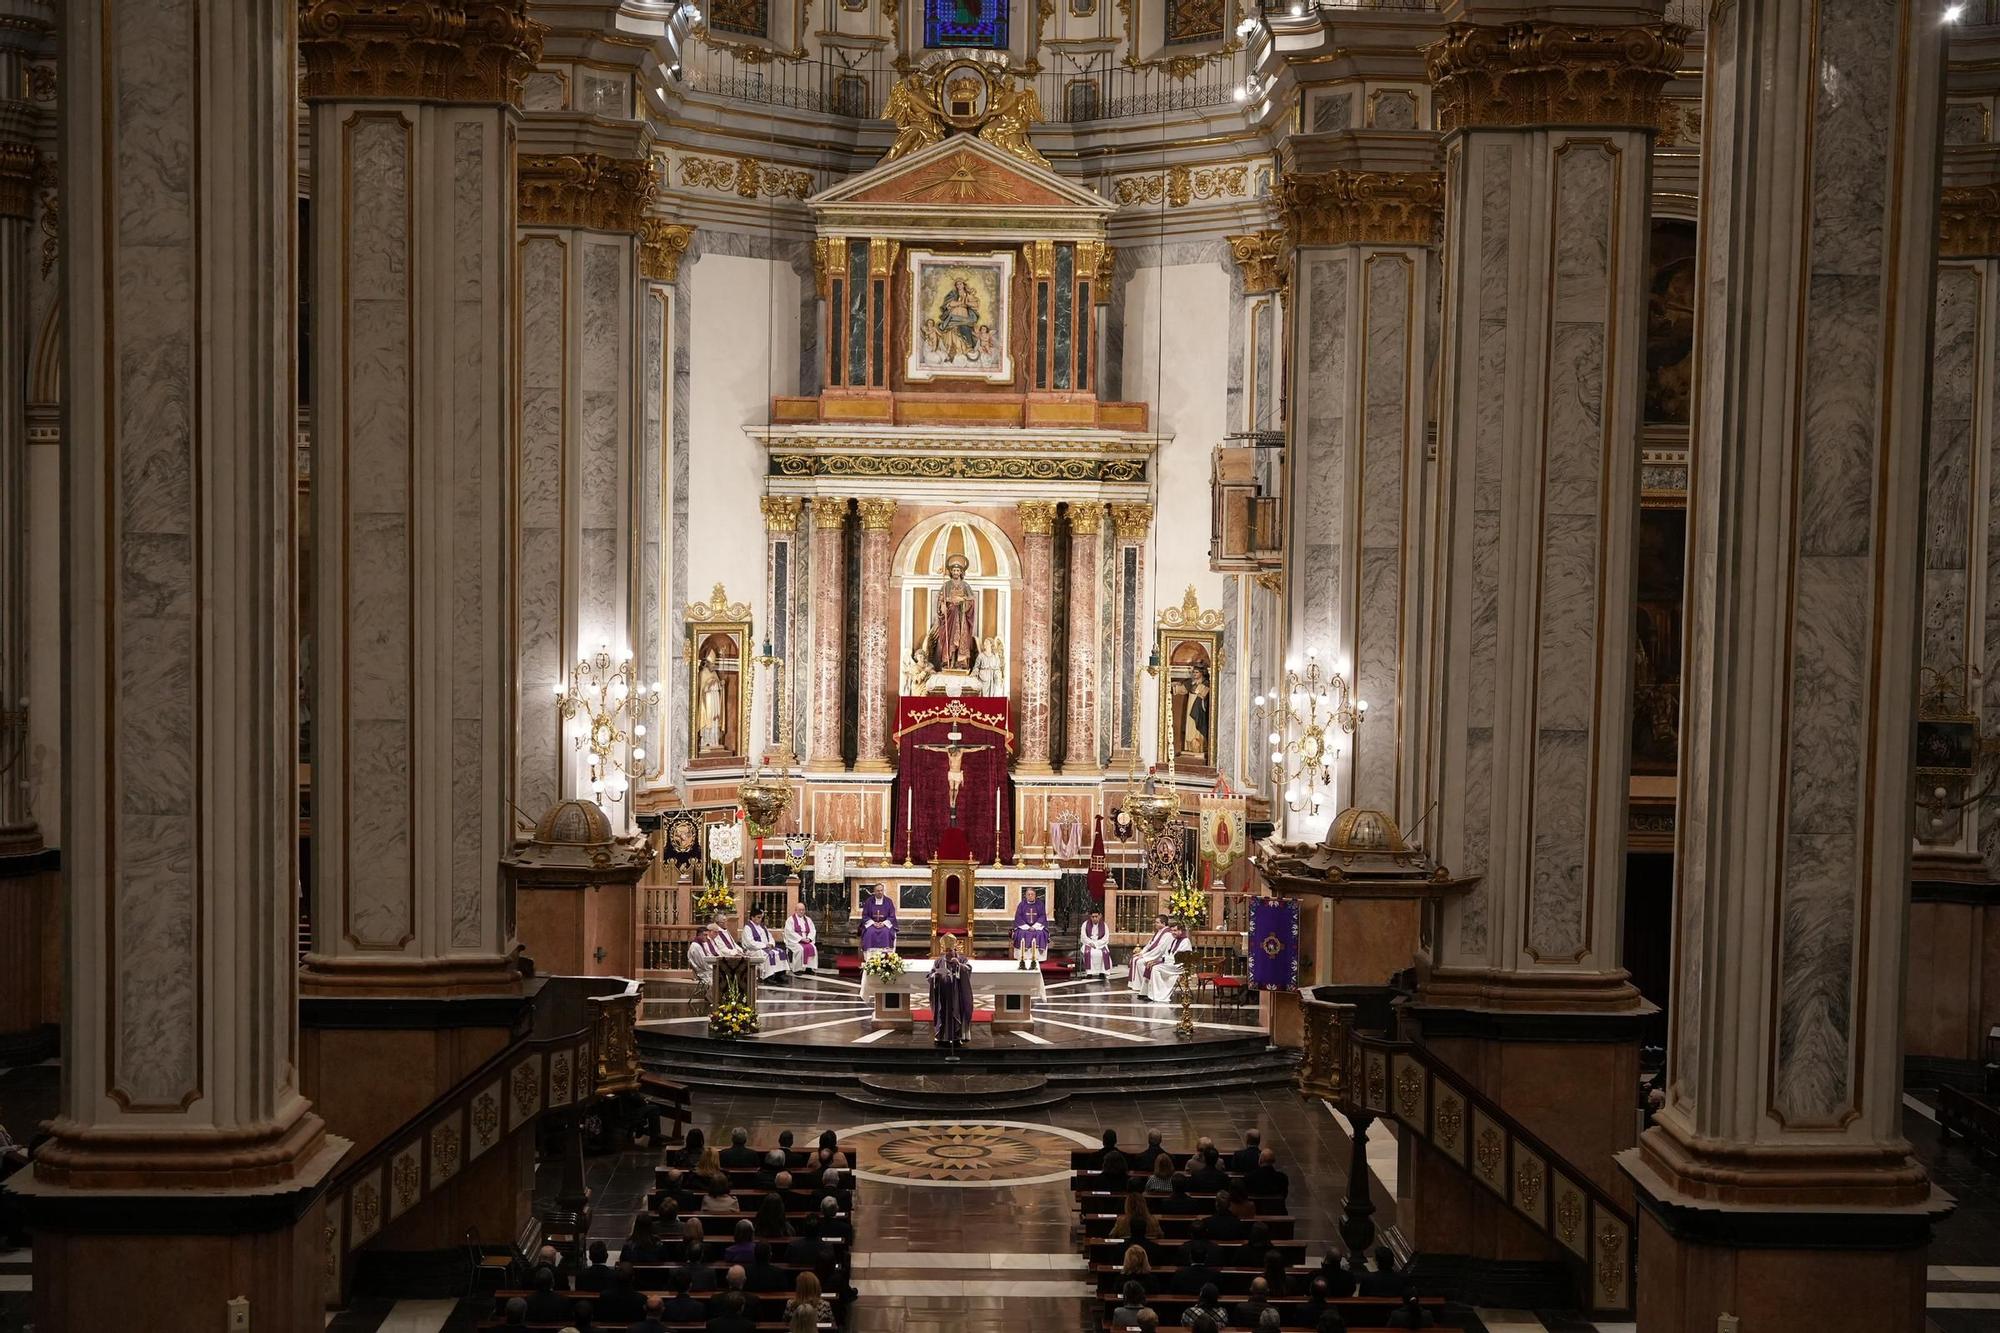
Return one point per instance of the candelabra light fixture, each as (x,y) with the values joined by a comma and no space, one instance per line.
(606,695)
(1311,721)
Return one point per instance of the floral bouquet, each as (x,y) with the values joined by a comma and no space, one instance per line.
(733,1017)
(1187,904)
(883,964)
(716,899)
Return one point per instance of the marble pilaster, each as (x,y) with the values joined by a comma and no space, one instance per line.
(419,680)
(26,34)
(782,576)
(1033,674)
(1086,542)
(829,587)
(1130,636)
(1529,685)
(656,640)
(875,695)
(178,1099)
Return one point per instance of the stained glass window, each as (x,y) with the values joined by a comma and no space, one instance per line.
(974,23)
(745,18)
(1194,21)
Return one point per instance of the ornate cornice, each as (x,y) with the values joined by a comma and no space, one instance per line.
(586,190)
(876,514)
(18,170)
(1038,517)
(661,245)
(1969,222)
(1093,264)
(1086,520)
(436,50)
(781,513)
(958,467)
(1261,256)
(1521,74)
(829,512)
(1362,207)
(1131,521)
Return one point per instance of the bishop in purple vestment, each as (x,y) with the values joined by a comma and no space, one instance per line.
(1031,924)
(880,904)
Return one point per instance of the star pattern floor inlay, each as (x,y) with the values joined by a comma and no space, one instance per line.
(953,1153)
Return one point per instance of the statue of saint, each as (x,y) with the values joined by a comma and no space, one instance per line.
(988,668)
(953,624)
(709,725)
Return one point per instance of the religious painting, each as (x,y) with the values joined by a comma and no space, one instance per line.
(1670,322)
(718,658)
(745,18)
(973,24)
(1187,696)
(1190,21)
(1656,658)
(1947,747)
(959,317)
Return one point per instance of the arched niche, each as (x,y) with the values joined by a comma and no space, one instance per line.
(993,568)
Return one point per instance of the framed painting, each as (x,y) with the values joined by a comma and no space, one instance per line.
(1670,322)
(1656,658)
(959,317)
(1188,663)
(718,660)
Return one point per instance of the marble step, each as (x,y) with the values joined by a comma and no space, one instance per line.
(954,1092)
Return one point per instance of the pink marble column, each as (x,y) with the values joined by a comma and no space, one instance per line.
(1086,528)
(828,576)
(1038,595)
(872,728)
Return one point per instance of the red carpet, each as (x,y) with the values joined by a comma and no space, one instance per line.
(978,1015)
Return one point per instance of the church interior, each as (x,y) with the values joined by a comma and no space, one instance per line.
(924,665)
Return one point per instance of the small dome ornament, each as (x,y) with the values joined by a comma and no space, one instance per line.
(1355,830)
(1364,855)
(573,824)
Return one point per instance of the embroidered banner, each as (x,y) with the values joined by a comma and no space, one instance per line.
(1221,830)
(1274,943)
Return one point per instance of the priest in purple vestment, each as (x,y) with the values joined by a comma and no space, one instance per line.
(1031,929)
(879,932)
(879,903)
(951,996)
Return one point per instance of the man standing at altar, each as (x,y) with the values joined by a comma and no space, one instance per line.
(878,933)
(951,996)
(802,940)
(1094,946)
(1031,929)
(880,904)
(761,945)
(1154,949)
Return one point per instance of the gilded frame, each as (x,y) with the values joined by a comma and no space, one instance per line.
(713,630)
(1190,662)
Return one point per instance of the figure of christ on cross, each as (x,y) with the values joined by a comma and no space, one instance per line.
(954,777)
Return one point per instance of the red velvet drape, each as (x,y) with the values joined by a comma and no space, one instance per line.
(922,794)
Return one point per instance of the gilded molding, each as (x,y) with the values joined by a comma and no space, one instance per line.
(1969,222)
(781,513)
(1521,74)
(585,190)
(1261,256)
(435,50)
(18,172)
(1041,258)
(1092,265)
(1038,517)
(1086,520)
(745,177)
(1181,186)
(876,514)
(827,251)
(661,245)
(1131,521)
(829,512)
(958,467)
(1362,207)
(882,256)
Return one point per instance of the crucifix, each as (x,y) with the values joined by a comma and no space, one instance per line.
(954,757)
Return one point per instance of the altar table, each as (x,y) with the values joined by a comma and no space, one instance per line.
(1014,990)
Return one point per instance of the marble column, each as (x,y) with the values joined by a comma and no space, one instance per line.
(1033,674)
(1086,542)
(1784,1109)
(876,695)
(1130,634)
(179,1112)
(26,31)
(829,589)
(782,566)
(657,633)
(580,217)
(415,496)
(1362,277)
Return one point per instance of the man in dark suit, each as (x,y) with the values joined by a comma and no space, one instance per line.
(763,1275)
(1208,1177)
(679,1307)
(1245,1157)
(652,1323)
(1197,1268)
(1265,1180)
(739,1153)
(621,1301)
(598,1276)
(1385,1280)
(731,1315)
(1223,1226)
(546,1305)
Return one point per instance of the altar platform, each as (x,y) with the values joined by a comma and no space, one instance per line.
(1086,1038)
(1000,987)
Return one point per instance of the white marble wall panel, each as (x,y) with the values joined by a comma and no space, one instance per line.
(605,292)
(477,490)
(1320,447)
(1953,649)
(652,459)
(544,657)
(1387,439)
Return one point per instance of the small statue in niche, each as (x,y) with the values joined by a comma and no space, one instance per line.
(916,672)
(957,643)
(989,669)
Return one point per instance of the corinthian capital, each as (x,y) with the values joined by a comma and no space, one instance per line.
(1522,74)
(442,50)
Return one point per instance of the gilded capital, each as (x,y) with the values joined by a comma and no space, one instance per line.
(1131,521)
(1038,517)
(882,257)
(1969,222)
(1523,74)
(436,50)
(876,514)
(586,190)
(828,251)
(1261,256)
(829,512)
(1041,258)
(1086,520)
(661,245)
(18,166)
(781,513)
(1361,207)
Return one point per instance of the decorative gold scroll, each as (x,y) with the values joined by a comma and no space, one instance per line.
(585,190)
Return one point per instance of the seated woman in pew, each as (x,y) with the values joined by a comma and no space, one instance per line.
(644,1247)
(1136,1222)
(1161,1182)
(1127,1315)
(1207,1305)
(1276,1275)
(770,1222)
(1138,1267)
(716,1197)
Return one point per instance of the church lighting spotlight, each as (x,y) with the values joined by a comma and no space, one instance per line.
(1953,13)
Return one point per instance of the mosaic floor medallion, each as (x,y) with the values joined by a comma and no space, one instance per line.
(964,1154)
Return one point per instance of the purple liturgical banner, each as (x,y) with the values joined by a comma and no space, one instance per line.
(1274,944)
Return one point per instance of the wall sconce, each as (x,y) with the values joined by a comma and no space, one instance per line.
(1316,709)
(608,697)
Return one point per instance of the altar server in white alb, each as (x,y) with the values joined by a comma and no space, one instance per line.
(1093,946)
(760,945)
(702,953)
(1150,952)
(802,940)
(1164,971)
